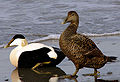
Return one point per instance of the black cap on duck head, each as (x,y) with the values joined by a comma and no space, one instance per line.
(71,17)
(19,36)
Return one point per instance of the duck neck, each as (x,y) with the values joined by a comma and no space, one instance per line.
(71,29)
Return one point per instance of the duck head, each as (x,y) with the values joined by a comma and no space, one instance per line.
(17,40)
(72,17)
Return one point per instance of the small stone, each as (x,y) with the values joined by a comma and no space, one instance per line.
(113,43)
(109,73)
(6,79)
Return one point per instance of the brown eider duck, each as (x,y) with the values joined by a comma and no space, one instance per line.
(32,55)
(81,50)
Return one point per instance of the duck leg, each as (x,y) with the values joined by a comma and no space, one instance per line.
(96,73)
(74,74)
(71,76)
(36,66)
(40,64)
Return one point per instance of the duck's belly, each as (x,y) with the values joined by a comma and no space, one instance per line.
(72,52)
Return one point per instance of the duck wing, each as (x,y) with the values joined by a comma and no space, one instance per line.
(86,46)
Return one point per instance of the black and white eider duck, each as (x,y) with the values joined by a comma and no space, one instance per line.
(32,55)
(81,50)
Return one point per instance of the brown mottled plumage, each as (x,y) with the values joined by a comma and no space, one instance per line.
(81,50)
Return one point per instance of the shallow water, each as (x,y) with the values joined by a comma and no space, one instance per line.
(109,73)
(38,18)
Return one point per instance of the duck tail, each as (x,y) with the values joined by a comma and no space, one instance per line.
(111,59)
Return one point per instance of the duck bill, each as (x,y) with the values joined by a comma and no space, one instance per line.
(8,45)
(65,20)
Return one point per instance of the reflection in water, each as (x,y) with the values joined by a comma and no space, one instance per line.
(49,74)
(45,74)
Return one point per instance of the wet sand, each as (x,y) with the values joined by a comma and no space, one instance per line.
(110,46)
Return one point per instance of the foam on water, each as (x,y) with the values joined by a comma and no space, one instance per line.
(100,35)
(56,37)
(49,37)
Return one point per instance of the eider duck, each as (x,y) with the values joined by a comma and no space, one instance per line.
(32,55)
(81,50)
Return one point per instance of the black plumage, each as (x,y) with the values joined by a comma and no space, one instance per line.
(29,59)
